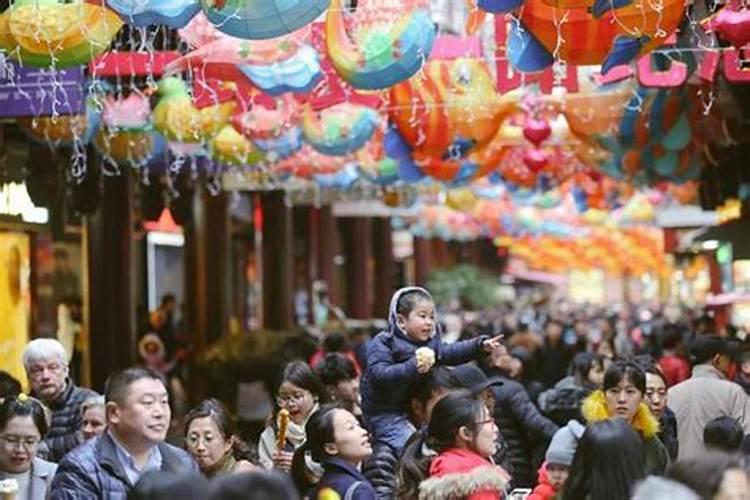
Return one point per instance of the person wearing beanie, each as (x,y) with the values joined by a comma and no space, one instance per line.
(554,472)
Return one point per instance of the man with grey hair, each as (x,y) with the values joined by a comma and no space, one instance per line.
(46,365)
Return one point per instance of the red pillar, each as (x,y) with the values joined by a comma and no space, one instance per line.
(356,235)
(278,261)
(384,265)
(422,260)
(111,310)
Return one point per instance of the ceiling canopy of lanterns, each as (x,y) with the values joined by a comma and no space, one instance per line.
(540,121)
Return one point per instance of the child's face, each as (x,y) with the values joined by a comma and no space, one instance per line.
(420,322)
(557,475)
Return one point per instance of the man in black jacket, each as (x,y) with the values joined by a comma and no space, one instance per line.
(526,431)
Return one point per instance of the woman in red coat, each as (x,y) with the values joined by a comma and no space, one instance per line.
(451,459)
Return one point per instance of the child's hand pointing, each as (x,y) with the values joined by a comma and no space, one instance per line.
(490,345)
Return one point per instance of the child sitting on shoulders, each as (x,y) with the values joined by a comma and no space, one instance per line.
(410,346)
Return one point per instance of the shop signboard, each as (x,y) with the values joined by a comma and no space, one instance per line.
(40,92)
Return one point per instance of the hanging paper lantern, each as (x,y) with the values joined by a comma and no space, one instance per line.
(172,13)
(388,43)
(44,33)
(285,64)
(264,121)
(373,163)
(397,148)
(595,32)
(299,73)
(732,23)
(340,129)
(229,147)
(307,162)
(286,144)
(63,130)
(448,115)
(261,19)
(126,135)
(463,199)
(128,147)
(176,117)
(343,179)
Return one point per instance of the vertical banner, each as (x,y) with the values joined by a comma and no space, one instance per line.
(15,301)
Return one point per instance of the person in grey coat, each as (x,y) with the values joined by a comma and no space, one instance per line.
(23,424)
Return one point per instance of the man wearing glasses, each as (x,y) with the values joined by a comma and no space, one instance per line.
(46,367)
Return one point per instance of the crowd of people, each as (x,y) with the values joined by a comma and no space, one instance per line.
(541,403)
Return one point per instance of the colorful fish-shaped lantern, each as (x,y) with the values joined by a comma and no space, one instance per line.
(382,45)
(261,19)
(339,130)
(606,32)
(229,147)
(177,118)
(307,163)
(446,114)
(172,13)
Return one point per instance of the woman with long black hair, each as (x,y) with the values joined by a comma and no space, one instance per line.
(337,442)
(608,462)
(450,459)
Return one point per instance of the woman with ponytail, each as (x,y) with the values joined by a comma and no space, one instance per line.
(451,458)
(337,442)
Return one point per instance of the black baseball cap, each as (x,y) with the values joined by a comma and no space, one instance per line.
(472,378)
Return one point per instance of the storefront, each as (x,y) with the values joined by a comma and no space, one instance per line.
(40,278)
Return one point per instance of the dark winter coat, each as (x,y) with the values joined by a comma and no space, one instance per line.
(553,361)
(92,471)
(562,403)
(345,480)
(381,469)
(668,433)
(524,428)
(63,433)
(392,364)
